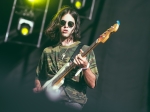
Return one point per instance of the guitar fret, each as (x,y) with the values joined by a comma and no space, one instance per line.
(89,48)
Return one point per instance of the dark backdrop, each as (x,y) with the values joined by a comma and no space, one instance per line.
(123,61)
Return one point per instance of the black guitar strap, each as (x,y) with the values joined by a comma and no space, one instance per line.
(76,52)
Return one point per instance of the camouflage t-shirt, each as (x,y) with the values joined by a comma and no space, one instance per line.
(52,60)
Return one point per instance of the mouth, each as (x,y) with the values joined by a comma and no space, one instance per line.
(65,31)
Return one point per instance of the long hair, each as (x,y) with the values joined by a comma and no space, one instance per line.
(53,29)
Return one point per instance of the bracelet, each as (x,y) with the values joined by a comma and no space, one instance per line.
(86,67)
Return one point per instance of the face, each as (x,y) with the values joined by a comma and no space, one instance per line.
(67,26)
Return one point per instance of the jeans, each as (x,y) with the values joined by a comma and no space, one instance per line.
(64,99)
(72,105)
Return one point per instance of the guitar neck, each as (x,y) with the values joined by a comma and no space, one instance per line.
(90,48)
(102,38)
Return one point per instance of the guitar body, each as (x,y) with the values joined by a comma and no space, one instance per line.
(53,89)
(52,93)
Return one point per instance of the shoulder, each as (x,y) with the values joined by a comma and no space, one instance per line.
(85,47)
(50,49)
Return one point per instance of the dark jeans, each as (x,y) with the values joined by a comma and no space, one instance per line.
(64,100)
(71,105)
(61,97)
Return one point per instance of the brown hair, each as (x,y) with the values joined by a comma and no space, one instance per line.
(53,29)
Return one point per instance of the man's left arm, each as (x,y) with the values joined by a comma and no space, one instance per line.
(89,76)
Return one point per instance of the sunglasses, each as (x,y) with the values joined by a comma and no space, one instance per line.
(70,23)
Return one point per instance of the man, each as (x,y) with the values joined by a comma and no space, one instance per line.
(64,31)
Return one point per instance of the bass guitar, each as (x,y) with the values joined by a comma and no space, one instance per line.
(52,86)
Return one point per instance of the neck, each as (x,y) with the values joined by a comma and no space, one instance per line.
(67,42)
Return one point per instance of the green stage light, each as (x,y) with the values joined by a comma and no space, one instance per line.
(24,30)
(36,1)
(25,26)
(78,4)
(31,0)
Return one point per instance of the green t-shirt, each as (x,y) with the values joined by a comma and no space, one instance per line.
(51,62)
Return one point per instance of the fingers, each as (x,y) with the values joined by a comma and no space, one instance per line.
(37,89)
(77,60)
(81,51)
(80,61)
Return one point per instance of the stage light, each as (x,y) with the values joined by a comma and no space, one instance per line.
(35,1)
(79,4)
(25,26)
(26,18)
(25,29)
(31,0)
(84,8)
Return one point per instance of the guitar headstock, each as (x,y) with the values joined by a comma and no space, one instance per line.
(107,33)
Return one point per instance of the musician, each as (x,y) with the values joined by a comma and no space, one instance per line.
(64,31)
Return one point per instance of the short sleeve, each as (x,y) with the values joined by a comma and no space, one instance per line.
(40,70)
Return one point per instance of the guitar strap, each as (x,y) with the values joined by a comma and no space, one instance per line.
(76,52)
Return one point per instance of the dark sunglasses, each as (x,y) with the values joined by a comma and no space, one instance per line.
(70,23)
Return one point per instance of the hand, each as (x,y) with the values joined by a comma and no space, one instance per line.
(81,61)
(37,89)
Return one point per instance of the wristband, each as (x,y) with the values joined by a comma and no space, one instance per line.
(86,67)
(82,69)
